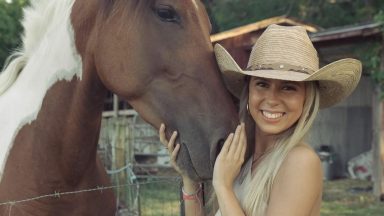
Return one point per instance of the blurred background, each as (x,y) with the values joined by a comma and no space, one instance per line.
(349,137)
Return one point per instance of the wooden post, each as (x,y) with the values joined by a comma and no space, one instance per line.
(115,105)
(377,144)
(381,156)
(378,137)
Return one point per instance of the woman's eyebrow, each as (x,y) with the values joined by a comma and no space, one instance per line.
(291,83)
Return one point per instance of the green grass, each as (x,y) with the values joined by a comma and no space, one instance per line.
(340,198)
(350,198)
(160,199)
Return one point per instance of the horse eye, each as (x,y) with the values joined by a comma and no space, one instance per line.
(167,14)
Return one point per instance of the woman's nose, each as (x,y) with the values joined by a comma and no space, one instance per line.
(272,97)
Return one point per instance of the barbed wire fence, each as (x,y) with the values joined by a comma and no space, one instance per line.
(13,204)
(138,166)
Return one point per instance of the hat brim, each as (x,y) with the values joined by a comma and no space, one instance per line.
(337,80)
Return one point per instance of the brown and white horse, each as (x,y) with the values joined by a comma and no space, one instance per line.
(156,54)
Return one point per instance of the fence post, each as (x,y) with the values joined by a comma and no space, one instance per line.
(377,143)
(182,207)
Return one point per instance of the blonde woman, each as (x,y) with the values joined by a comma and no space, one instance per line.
(280,94)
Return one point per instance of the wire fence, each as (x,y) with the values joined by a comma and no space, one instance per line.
(133,156)
(151,197)
(138,166)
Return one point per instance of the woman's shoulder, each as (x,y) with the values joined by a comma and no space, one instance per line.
(302,155)
(297,187)
(301,164)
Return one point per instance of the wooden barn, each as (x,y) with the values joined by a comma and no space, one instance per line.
(351,127)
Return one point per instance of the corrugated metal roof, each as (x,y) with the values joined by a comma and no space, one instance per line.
(347,32)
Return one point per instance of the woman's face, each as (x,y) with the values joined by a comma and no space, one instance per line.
(275,105)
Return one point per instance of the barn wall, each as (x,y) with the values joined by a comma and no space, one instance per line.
(347,127)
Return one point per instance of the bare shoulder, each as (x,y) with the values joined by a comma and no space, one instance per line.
(301,164)
(297,187)
(302,156)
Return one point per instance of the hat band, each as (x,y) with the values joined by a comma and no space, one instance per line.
(276,66)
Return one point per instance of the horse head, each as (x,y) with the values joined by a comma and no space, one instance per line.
(157,55)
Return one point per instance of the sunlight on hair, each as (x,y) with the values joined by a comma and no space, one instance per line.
(195,3)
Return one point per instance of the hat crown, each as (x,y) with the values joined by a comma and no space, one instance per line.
(287,48)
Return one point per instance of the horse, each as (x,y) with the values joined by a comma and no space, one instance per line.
(155,54)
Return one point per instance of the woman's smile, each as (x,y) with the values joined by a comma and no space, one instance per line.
(272,115)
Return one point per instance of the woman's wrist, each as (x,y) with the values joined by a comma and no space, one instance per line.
(190,186)
(221,188)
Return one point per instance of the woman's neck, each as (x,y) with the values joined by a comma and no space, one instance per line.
(263,142)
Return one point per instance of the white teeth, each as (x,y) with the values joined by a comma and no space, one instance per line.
(272,115)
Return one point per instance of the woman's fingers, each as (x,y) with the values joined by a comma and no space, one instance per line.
(175,152)
(235,142)
(227,143)
(168,144)
(241,146)
(163,140)
(171,142)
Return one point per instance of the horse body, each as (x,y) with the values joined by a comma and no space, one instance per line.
(155,54)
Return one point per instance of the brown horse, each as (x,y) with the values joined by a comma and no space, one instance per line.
(156,54)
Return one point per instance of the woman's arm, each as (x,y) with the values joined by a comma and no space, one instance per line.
(227,168)
(298,185)
(191,189)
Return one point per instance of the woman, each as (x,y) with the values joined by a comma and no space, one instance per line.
(283,90)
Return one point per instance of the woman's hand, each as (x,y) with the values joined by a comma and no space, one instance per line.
(173,149)
(229,161)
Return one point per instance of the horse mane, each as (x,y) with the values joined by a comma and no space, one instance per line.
(37,19)
(36,66)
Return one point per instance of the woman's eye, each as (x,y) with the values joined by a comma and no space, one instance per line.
(167,14)
(262,84)
(289,88)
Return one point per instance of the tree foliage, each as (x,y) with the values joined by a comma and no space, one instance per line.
(324,13)
(226,14)
(10,27)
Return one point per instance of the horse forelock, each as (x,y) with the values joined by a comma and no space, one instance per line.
(47,56)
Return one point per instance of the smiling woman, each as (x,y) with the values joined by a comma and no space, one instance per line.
(280,94)
(284,88)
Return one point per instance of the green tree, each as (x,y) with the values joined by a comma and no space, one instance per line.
(10,27)
(324,13)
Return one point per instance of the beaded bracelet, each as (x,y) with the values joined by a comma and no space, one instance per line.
(193,196)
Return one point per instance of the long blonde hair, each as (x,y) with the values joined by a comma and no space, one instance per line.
(259,188)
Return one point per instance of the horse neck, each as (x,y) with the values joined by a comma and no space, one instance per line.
(76,119)
(64,134)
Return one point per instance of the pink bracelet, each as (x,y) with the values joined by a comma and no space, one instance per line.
(193,196)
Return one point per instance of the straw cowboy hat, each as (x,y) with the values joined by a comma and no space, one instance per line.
(287,53)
